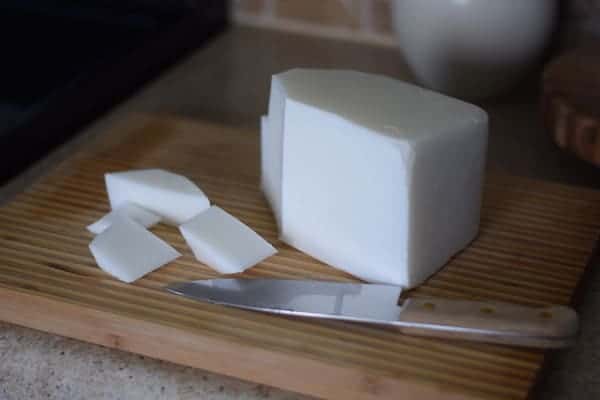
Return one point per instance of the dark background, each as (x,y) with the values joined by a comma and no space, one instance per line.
(65,62)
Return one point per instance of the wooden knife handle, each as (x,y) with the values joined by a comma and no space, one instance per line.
(492,322)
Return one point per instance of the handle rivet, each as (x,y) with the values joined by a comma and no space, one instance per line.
(487,310)
(546,314)
(429,306)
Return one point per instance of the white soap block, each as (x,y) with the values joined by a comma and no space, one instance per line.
(173,197)
(224,243)
(127,210)
(270,140)
(378,177)
(127,251)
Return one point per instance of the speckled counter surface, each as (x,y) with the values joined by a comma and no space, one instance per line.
(228,82)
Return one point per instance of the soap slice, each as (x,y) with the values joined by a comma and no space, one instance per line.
(224,243)
(127,251)
(270,166)
(379,178)
(127,210)
(173,197)
(271,149)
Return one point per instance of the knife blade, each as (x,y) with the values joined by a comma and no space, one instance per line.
(493,322)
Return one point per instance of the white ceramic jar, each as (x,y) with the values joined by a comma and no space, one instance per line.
(472,48)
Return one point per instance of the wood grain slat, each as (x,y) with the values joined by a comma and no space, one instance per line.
(535,241)
(116,301)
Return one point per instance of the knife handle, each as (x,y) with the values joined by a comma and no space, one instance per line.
(492,322)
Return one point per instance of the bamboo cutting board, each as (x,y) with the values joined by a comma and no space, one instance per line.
(535,241)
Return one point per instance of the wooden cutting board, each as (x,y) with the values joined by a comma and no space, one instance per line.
(535,241)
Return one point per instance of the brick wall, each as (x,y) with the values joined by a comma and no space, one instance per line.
(370,20)
(357,20)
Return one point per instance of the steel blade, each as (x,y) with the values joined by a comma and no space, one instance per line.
(348,301)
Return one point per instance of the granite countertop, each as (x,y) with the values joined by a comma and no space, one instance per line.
(227,82)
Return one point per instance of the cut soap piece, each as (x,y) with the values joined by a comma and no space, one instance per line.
(224,243)
(270,166)
(271,145)
(379,178)
(127,210)
(127,251)
(171,196)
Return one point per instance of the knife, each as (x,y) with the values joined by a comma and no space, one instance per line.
(491,322)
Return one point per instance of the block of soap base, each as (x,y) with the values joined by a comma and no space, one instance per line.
(372,175)
(127,210)
(270,145)
(173,197)
(128,251)
(223,242)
